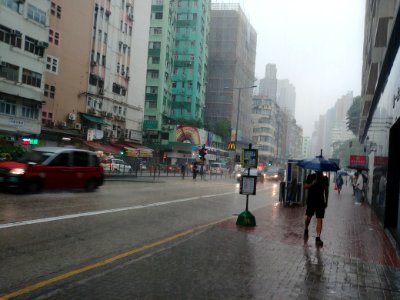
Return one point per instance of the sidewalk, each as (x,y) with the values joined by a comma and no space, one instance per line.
(357,260)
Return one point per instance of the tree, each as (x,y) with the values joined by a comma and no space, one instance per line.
(354,115)
(221,128)
(347,148)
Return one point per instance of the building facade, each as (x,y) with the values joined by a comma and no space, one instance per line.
(232,53)
(380,115)
(269,84)
(286,96)
(23,61)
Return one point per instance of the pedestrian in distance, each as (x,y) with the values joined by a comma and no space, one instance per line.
(339,183)
(318,191)
(359,187)
(183,170)
(194,170)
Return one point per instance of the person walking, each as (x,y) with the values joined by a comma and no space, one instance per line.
(183,170)
(339,183)
(359,187)
(194,170)
(318,191)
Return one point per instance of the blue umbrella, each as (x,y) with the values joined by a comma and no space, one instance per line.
(318,164)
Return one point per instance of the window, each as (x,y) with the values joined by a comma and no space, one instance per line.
(52,64)
(157,30)
(105,37)
(54,37)
(80,159)
(55,10)
(9,71)
(158,15)
(31,78)
(103,58)
(30,112)
(32,45)
(11,4)
(49,91)
(61,160)
(7,107)
(11,37)
(36,14)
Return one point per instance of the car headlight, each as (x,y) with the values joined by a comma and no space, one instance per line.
(275,176)
(17,171)
(238,175)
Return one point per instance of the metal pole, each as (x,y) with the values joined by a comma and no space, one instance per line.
(237,121)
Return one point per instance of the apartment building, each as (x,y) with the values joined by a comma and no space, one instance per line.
(23,47)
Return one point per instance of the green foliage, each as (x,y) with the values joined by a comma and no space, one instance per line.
(343,151)
(354,115)
(191,123)
(221,127)
(11,152)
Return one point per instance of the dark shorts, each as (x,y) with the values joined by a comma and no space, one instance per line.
(318,210)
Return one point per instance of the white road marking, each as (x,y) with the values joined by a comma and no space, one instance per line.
(114,210)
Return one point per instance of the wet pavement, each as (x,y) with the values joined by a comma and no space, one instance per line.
(269,261)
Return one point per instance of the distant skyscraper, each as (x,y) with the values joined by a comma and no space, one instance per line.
(269,84)
(286,96)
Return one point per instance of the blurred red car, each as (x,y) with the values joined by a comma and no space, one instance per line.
(53,168)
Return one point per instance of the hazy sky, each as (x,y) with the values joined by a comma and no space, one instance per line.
(316,44)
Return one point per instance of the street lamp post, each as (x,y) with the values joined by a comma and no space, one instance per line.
(238,109)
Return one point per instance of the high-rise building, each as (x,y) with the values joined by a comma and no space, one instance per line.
(286,96)
(269,84)
(23,61)
(176,67)
(232,53)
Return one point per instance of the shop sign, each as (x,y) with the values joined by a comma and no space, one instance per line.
(358,160)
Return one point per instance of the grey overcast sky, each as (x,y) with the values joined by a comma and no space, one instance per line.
(316,44)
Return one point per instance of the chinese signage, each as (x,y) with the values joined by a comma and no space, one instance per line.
(358,160)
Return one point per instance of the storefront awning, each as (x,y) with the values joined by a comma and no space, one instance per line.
(141,151)
(94,119)
(107,149)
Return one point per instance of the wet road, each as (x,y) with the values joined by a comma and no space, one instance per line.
(46,238)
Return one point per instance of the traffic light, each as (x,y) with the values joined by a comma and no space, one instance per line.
(122,151)
(203,153)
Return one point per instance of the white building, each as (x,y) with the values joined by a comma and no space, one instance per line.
(23,43)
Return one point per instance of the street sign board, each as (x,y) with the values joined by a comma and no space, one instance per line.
(249,158)
(248,185)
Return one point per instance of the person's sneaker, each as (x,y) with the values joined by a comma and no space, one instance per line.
(306,233)
(318,242)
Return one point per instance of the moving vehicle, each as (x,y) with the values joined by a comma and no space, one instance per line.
(53,168)
(218,168)
(116,165)
(274,174)
(253,172)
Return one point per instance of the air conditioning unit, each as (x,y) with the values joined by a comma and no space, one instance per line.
(78,126)
(101,91)
(92,110)
(93,63)
(64,124)
(123,73)
(42,45)
(108,13)
(15,32)
(71,116)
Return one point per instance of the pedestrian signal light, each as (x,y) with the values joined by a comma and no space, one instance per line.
(270,163)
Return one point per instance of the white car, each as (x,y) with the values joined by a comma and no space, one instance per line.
(116,166)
